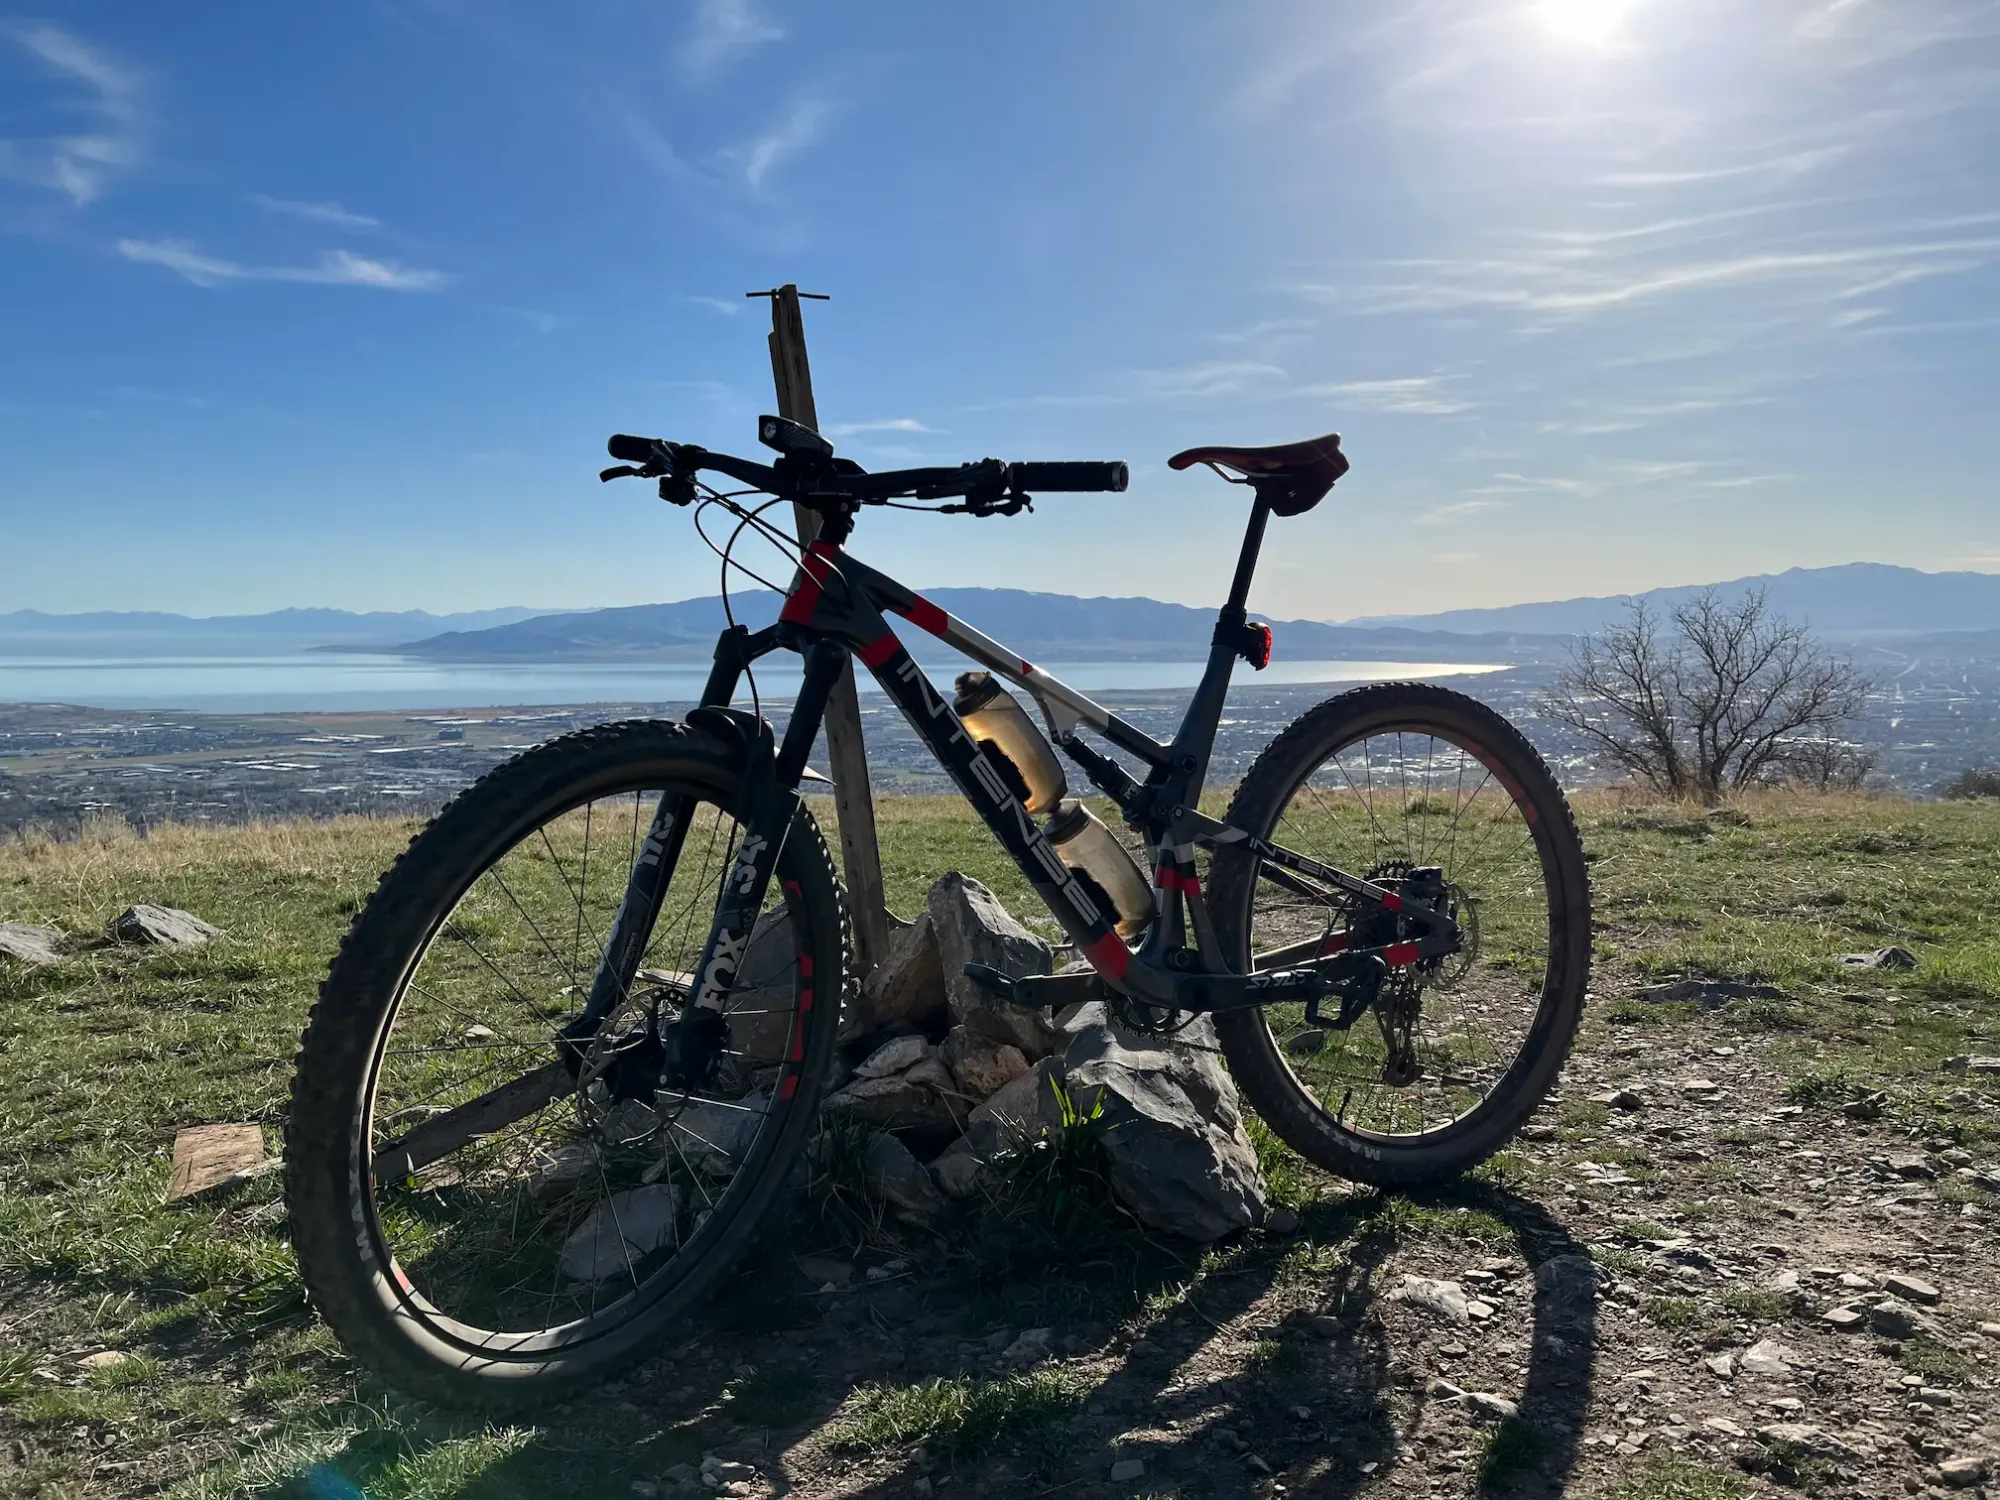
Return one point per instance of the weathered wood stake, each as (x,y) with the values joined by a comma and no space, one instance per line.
(861,854)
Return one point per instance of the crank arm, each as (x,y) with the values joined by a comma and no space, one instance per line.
(1036,990)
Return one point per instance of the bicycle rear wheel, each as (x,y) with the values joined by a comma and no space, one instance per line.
(589,1210)
(1456,1053)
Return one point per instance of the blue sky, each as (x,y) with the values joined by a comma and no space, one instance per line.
(335,304)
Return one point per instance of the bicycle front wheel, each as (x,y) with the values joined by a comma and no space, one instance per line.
(562,1209)
(1456,1053)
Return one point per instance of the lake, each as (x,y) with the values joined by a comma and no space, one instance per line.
(309,683)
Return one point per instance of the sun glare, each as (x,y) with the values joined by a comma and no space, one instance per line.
(1594,22)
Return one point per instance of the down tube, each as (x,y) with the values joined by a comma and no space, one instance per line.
(939,727)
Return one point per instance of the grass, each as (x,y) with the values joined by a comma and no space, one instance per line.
(1937,1363)
(1511,1449)
(110,1051)
(965,1418)
(1672,1313)
(1760,1305)
(1678,1479)
(1821,1088)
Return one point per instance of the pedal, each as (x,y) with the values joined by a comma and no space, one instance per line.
(991,980)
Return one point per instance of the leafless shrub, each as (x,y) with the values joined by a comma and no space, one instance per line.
(1725,695)
(1973,781)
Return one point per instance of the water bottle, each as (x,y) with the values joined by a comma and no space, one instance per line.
(1101,865)
(999,724)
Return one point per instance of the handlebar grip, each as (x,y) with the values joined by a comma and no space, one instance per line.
(1049,478)
(633,450)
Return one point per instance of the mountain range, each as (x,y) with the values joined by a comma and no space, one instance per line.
(1857,602)
(129,633)
(1852,602)
(1050,627)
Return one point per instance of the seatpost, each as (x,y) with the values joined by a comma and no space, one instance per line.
(1246,561)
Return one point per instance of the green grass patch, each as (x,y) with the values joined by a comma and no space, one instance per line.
(1670,1478)
(1624,1262)
(965,1418)
(1673,1313)
(1760,1305)
(1821,1088)
(1937,1363)
(1512,1449)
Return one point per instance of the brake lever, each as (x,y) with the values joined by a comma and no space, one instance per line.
(621,471)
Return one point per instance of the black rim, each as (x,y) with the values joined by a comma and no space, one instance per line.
(561,1228)
(1447,1036)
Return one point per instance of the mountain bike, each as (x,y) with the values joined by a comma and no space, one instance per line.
(570,1053)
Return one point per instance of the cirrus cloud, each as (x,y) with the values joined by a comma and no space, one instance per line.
(335,268)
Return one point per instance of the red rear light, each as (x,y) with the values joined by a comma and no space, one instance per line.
(1257,647)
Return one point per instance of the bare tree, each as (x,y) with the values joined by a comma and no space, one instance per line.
(1733,696)
(1827,763)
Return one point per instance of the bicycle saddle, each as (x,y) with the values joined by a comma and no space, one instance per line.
(1291,477)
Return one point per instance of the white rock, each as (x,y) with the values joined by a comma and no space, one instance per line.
(620,1231)
(167,926)
(983,1065)
(1031,1347)
(30,945)
(895,1056)
(1768,1357)
(560,1170)
(714,1136)
(1446,1298)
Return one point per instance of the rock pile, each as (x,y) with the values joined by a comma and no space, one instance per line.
(947,1073)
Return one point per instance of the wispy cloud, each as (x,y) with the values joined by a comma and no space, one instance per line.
(1785,164)
(335,268)
(1416,395)
(79,166)
(1458,510)
(717,305)
(887,424)
(316,213)
(724,32)
(1200,381)
(1579,285)
(758,157)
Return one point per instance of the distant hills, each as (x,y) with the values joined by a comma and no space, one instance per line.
(1859,602)
(1048,626)
(1854,601)
(141,633)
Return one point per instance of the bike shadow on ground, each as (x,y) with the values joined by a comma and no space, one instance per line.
(1181,1375)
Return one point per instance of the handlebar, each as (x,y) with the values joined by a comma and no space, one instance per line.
(989,484)
(1076,478)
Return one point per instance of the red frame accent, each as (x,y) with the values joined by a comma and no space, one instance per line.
(814,570)
(879,650)
(923,614)
(1109,956)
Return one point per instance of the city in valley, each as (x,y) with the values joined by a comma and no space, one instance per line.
(1932,711)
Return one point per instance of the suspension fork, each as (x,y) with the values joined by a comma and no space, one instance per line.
(773,805)
(646,885)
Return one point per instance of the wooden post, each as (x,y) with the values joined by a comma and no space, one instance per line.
(861,853)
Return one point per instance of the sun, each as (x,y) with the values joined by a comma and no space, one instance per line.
(1593,22)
